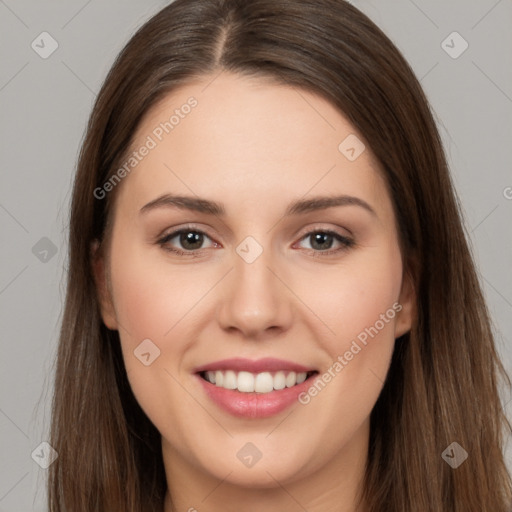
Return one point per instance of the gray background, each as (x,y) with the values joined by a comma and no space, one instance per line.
(45,104)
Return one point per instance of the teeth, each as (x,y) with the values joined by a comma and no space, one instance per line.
(301,377)
(291,379)
(247,382)
(264,383)
(279,380)
(230,380)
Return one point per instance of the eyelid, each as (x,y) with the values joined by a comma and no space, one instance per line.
(299,234)
(318,226)
(187,227)
(346,241)
(174,232)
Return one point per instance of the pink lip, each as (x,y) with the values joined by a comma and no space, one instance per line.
(267,364)
(253,405)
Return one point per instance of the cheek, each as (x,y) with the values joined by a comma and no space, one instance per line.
(361,294)
(360,306)
(145,300)
(149,297)
(151,305)
(155,299)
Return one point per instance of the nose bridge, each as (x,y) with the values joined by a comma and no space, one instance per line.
(255,299)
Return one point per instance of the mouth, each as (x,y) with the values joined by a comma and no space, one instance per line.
(254,389)
(263,382)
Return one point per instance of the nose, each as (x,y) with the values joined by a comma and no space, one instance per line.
(256,301)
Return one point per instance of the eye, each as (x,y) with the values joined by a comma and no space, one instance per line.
(191,241)
(321,242)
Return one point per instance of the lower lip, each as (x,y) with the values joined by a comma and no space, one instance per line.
(254,405)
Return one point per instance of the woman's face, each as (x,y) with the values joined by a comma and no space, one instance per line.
(271,284)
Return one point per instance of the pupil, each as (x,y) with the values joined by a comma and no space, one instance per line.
(189,238)
(319,238)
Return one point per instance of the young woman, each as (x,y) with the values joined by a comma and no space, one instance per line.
(271,303)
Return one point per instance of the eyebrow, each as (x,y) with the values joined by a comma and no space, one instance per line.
(298,207)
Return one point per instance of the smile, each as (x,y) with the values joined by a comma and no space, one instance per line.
(254,389)
(246,382)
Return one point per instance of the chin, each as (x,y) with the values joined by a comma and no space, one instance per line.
(259,469)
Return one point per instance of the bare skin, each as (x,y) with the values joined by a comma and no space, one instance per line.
(256,147)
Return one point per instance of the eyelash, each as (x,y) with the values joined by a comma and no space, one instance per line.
(346,242)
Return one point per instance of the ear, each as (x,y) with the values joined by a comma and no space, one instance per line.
(407,301)
(104,294)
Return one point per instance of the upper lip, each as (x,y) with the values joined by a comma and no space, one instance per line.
(267,364)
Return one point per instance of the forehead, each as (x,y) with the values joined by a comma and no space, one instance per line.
(247,138)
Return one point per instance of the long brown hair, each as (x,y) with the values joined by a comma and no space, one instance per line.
(442,386)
